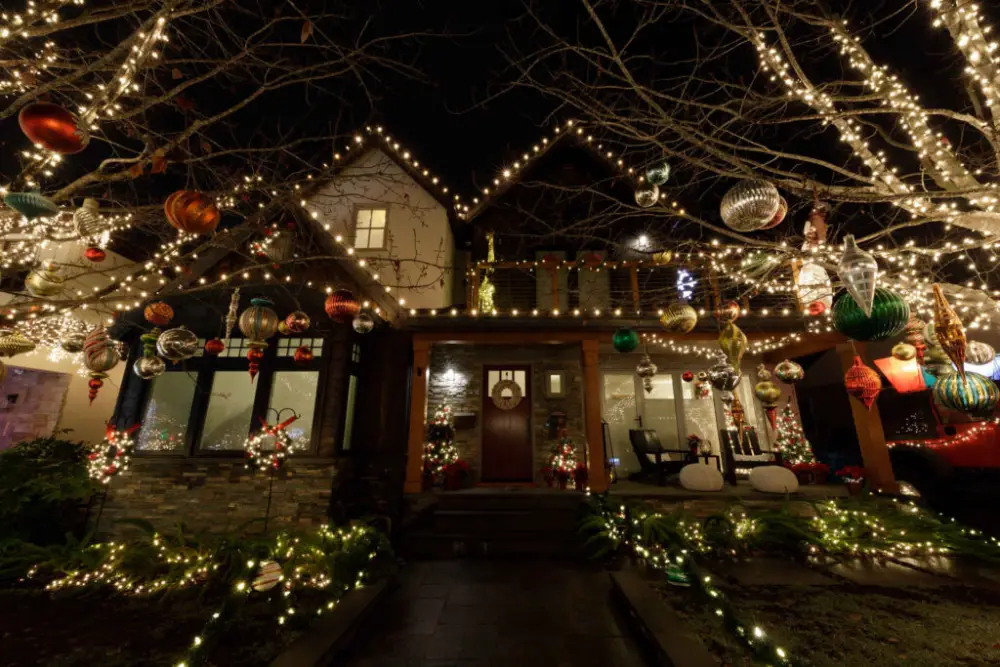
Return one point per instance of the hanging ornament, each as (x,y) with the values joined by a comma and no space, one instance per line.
(625,340)
(658,174)
(31,204)
(738,415)
(949,330)
(303,355)
(701,376)
(99,356)
(283,328)
(647,195)
(214,347)
(148,368)
(341,306)
(814,230)
(975,395)
(44,281)
(177,344)
(255,355)
(53,128)
(702,390)
(72,343)
(13,342)
(727,312)
(904,351)
(913,333)
(888,319)
(259,322)
(662,258)
(722,374)
(859,272)
(779,217)
(679,318)
(814,289)
(363,322)
(646,370)
(88,220)
(158,314)
(297,321)
(231,316)
(487,290)
(768,394)
(121,349)
(267,577)
(863,383)
(789,372)
(112,455)
(733,342)
(191,212)
(95,254)
(936,362)
(980,353)
(750,205)
(687,376)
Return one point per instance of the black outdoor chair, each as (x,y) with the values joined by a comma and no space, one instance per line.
(646,441)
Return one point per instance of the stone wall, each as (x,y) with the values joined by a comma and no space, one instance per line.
(217,495)
(456,379)
(31,402)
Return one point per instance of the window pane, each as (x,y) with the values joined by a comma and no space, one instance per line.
(352,391)
(618,410)
(296,389)
(165,419)
(699,415)
(377,238)
(364,218)
(660,414)
(361,239)
(555,383)
(378,218)
(230,409)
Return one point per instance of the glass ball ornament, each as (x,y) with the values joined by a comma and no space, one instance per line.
(789,372)
(87,219)
(733,342)
(679,318)
(779,217)
(658,174)
(297,321)
(158,314)
(903,351)
(283,328)
(95,254)
(974,395)
(44,281)
(647,195)
(889,316)
(72,343)
(625,340)
(148,368)
(687,376)
(191,212)
(728,312)
(259,322)
(53,128)
(31,204)
(750,205)
(859,272)
(177,344)
(363,323)
(342,306)
(978,352)
(646,370)
(723,375)
(303,355)
(214,347)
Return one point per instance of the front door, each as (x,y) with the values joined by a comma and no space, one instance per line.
(507,450)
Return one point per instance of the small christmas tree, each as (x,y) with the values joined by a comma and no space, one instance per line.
(791,442)
(440,450)
(563,460)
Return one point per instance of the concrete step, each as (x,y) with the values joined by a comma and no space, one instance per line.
(503,522)
(567,501)
(433,545)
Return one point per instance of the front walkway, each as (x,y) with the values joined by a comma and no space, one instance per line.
(496,614)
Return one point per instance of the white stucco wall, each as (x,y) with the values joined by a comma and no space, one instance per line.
(418,259)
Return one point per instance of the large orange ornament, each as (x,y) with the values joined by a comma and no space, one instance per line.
(341,306)
(158,314)
(53,128)
(192,212)
(863,383)
(949,330)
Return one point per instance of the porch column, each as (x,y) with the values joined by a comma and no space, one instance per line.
(868,424)
(598,475)
(418,415)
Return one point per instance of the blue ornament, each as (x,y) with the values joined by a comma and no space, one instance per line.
(30,204)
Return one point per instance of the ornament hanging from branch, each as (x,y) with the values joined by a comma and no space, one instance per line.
(363,322)
(53,128)
(679,318)
(647,195)
(214,347)
(789,372)
(814,289)
(980,353)
(646,370)
(888,318)
(297,321)
(191,212)
(99,356)
(176,345)
(914,335)
(658,174)
(750,205)
(727,312)
(303,355)
(768,394)
(863,383)
(974,395)
(733,342)
(231,316)
(44,281)
(258,323)
(625,340)
(88,221)
(949,330)
(13,342)
(859,271)
(31,204)
(158,314)
(341,306)
(779,217)
(149,366)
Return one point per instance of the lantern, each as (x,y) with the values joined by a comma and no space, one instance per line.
(750,205)
(303,355)
(341,306)
(72,343)
(779,217)
(789,372)
(53,128)
(158,314)
(862,383)
(903,351)
(297,322)
(658,174)
(191,212)
(99,356)
(363,323)
(814,288)
(31,204)
(87,220)
(259,322)
(949,330)
(255,355)
(980,353)
(733,342)
(646,370)
(214,347)
(859,272)
(687,376)
(647,195)
(889,316)
(728,312)
(625,340)
(679,318)
(974,395)
(14,342)
(95,254)
(177,344)
(44,281)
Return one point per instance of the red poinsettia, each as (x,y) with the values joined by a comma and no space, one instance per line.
(852,473)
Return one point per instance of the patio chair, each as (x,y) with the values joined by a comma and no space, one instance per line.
(646,441)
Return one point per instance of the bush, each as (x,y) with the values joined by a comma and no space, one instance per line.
(44,485)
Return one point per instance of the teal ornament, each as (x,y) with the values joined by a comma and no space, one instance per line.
(659,174)
(929,378)
(625,340)
(890,314)
(30,204)
(975,396)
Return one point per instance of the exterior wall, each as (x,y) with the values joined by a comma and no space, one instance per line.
(418,260)
(36,410)
(456,378)
(217,495)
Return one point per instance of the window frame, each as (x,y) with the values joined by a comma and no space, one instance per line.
(385,229)
(352,369)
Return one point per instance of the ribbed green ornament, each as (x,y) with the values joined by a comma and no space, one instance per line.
(625,339)
(976,396)
(889,316)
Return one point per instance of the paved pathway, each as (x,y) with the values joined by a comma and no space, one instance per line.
(492,613)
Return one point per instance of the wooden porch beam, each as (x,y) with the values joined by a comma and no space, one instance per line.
(597,473)
(418,417)
(809,345)
(544,336)
(871,436)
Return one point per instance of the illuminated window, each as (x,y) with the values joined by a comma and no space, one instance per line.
(369,228)
(555,384)
(167,412)
(230,410)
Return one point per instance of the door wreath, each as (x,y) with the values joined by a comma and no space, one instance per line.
(506,394)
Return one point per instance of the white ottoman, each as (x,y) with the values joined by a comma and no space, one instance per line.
(701,477)
(774,479)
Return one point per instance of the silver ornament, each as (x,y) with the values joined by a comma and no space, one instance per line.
(722,375)
(88,220)
(646,369)
(750,205)
(149,367)
(363,323)
(72,343)
(859,272)
(980,353)
(177,344)
(659,174)
(647,195)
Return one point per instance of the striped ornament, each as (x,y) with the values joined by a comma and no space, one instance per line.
(976,396)
(862,382)
(889,317)
(99,353)
(268,576)
(259,322)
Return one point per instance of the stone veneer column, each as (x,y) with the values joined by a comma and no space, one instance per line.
(418,412)
(598,476)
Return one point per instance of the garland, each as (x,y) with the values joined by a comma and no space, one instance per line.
(112,455)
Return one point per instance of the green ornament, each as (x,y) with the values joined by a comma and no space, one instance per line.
(976,395)
(658,174)
(889,316)
(625,340)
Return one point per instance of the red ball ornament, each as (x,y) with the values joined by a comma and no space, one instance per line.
(297,322)
(53,128)
(95,254)
(687,376)
(255,355)
(191,212)
(341,306)
(214,347)
(816,308)
(158,314)
(303,355)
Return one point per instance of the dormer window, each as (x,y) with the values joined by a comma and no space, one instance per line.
(369,228)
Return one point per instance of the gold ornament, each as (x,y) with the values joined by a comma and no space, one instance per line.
(679,318)
(949,330)
(904,351)
(662,258)
(14,342)
(734,343)
(486,288)
(44,281)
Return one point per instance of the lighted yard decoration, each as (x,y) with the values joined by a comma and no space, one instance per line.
(269,448)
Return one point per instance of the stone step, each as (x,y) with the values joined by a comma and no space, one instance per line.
(476,522)
(567,501)
(434,545)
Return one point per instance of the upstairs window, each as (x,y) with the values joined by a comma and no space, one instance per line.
(369,229)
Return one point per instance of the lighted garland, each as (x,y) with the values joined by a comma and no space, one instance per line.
(112,455)
(270,459)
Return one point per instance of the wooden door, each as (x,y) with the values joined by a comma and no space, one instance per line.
(507,449)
